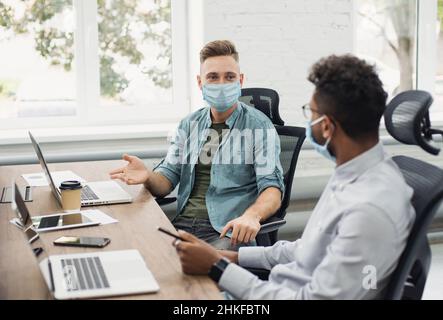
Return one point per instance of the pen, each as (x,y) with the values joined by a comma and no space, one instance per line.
(170,234)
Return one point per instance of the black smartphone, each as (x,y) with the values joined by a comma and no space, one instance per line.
(169,233)
(94,242)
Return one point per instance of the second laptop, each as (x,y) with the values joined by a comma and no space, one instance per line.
(93,193)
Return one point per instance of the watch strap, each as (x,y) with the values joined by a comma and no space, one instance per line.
(218,268)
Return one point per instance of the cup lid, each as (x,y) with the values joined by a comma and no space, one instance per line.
(70,185)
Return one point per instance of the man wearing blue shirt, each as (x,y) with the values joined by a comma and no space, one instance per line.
(360,225)
(225,158)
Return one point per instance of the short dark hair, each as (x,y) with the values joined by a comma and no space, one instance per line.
(218,48)
(349,90)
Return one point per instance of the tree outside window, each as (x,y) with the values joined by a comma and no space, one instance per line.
(386,36)
(135,52)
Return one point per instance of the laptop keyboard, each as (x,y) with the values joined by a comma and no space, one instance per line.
(88,194)
(84,274)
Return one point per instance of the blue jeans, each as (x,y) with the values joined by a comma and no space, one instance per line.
(202,229)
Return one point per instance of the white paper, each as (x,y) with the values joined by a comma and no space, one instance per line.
(99,216)
(39,179)
(35,179)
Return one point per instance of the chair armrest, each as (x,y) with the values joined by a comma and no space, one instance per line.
(165,201)
(262,274)
(271,224)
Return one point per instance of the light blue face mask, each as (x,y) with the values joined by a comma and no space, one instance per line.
(322,149)
(222,96)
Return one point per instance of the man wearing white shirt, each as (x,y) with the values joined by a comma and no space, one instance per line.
(361,222)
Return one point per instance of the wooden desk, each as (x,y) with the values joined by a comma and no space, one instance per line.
(20,276)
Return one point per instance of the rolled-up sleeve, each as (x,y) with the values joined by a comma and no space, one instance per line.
(268,169)
(171,166)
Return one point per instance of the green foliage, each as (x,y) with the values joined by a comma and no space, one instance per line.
(8,88)
(440,12)
(116,20)
(111,83)
(5,16)
(56,46)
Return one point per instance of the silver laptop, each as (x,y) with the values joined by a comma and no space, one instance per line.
(93,193)
(48,222)
(93,274)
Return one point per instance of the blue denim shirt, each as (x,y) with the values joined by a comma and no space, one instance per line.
(240,171)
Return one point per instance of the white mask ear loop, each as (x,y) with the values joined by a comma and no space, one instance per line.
(330,137)
(318,120)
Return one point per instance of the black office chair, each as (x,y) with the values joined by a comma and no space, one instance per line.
(407,120)
(162,201)
(408,280)
(264,99)
(291,141)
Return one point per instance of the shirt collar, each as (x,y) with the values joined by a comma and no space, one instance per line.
(230,121)
(351,170)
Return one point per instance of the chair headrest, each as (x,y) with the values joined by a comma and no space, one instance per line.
(407,119)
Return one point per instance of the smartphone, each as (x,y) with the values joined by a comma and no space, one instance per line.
(73,241)
(169,233)
(31,234)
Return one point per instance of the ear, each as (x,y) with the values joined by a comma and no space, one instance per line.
(199,82)
(328,127)
(242,79)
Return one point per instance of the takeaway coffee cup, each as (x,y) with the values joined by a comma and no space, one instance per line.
(71,195)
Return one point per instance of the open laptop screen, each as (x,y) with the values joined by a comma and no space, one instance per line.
(42,161)
(19,206)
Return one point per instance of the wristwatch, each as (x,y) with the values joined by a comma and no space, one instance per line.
(217,269)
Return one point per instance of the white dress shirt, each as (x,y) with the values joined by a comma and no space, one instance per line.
(357,230)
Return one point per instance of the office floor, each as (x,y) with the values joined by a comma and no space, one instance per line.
(434,283)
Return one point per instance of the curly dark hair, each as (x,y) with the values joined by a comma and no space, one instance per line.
(349,90)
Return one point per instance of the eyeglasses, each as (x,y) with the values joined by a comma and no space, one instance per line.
(307,111)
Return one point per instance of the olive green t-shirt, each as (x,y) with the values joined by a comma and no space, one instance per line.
(196,205)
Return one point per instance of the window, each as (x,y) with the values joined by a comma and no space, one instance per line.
(386,33)
(404,39)
(37,61)
(92,62)
(135,53)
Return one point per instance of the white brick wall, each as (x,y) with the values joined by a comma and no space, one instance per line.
(278,40)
